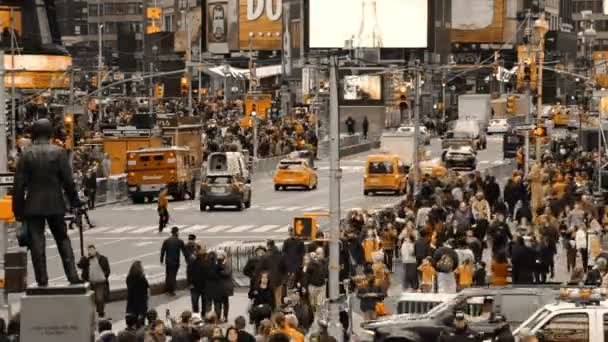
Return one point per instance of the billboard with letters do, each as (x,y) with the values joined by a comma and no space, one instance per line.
(368,23)
(260,24)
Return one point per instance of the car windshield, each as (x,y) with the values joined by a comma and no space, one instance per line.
(535,320)
(381,167)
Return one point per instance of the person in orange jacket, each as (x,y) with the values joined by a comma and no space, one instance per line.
(371,245)
(163,210)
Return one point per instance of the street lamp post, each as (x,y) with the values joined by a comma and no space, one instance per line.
(540,27)
(443,85)
(99,72)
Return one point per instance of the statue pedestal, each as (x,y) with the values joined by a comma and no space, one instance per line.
(58,314)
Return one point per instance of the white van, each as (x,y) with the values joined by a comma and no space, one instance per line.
(226,163)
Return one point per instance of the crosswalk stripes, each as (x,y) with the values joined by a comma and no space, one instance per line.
(121,229)
(264,228)
(194,228)
(239,229)
(292,208)
(133,231)
(217,229)
(144,229)
(282,229)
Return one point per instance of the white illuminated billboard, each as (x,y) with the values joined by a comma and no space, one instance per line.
(369,23)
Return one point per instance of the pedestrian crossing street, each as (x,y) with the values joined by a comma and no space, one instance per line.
(194,205)
(198,229)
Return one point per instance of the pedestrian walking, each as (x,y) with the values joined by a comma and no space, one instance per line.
(389,240)
(365,126)
(170,253)
(224,270)
(156,333)
(191,248)
(293,250)
(408,258)
(163,209)
(262,297)
(350,125)
(197,278)
(90,188)
(138,291)
(96,270)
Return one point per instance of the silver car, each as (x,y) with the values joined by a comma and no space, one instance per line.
(408,131)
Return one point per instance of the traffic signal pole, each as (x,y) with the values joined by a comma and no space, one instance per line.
(3,169)
(335,176)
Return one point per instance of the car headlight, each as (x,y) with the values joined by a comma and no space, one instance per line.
(369,332)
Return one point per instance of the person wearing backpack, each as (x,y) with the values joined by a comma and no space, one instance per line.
(446,261)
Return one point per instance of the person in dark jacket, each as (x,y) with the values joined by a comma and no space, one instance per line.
(96,270)
(274,263)
(263,300)
(129,334)
(224,271)
(512,193)
(293,250)
(104,328)
(42,176)
(253,265)
(191,248)
(461,331)
(503,331)
(523,259)
(196,277)
(491,190)
(500,234)
(422,248)
(90,188)
(365,127)
(241,324)
(138,291)
(545,260)
(172,248)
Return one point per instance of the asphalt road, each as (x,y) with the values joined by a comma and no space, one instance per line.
(126,232)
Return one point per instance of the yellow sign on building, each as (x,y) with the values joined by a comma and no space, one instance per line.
(154,13)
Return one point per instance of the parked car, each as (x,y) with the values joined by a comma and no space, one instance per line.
(229,190)
(480,305)
(460,157)
(569,319)
(424,136)
(501,126)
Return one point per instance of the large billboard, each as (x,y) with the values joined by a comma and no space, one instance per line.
(368,23)
(260,24)
(478,21)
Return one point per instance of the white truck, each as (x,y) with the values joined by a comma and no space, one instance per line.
(568,320)
(476,107)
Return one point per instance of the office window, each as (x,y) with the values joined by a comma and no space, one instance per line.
(77,29)
(168,23)
(93,10)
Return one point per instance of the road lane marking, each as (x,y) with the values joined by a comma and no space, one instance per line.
(97,230)
(195,228)
(282,229)
(120,230)
(313,208)
(144,229)
(239,229)
(271,208)
(144,243)
(264,228)
(217,229)
(292,208)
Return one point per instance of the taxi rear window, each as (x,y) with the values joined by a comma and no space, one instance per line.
(380,167)
(291,166)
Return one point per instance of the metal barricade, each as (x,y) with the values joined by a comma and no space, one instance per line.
(102,190)
(111,190)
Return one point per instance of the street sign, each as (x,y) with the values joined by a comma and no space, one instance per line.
(525,127)
(6,179)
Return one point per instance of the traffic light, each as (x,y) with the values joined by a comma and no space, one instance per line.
(540,132)
(69,131)
(159,91)
(512,104)
(305,227)
(183,84)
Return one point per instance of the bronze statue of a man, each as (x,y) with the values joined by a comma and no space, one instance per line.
(43,174)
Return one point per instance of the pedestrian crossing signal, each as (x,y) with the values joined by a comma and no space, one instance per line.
(305,227)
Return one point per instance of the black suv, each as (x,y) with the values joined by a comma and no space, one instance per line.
(480,306)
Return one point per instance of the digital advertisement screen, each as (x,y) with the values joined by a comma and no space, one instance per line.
(362,88)
(369,23)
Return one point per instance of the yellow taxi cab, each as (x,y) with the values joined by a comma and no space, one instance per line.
(385,172)
(295,173)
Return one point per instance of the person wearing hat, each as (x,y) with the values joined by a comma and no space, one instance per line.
(191,248)
(252,267)
(460,332)
(503,331)
(170,256)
